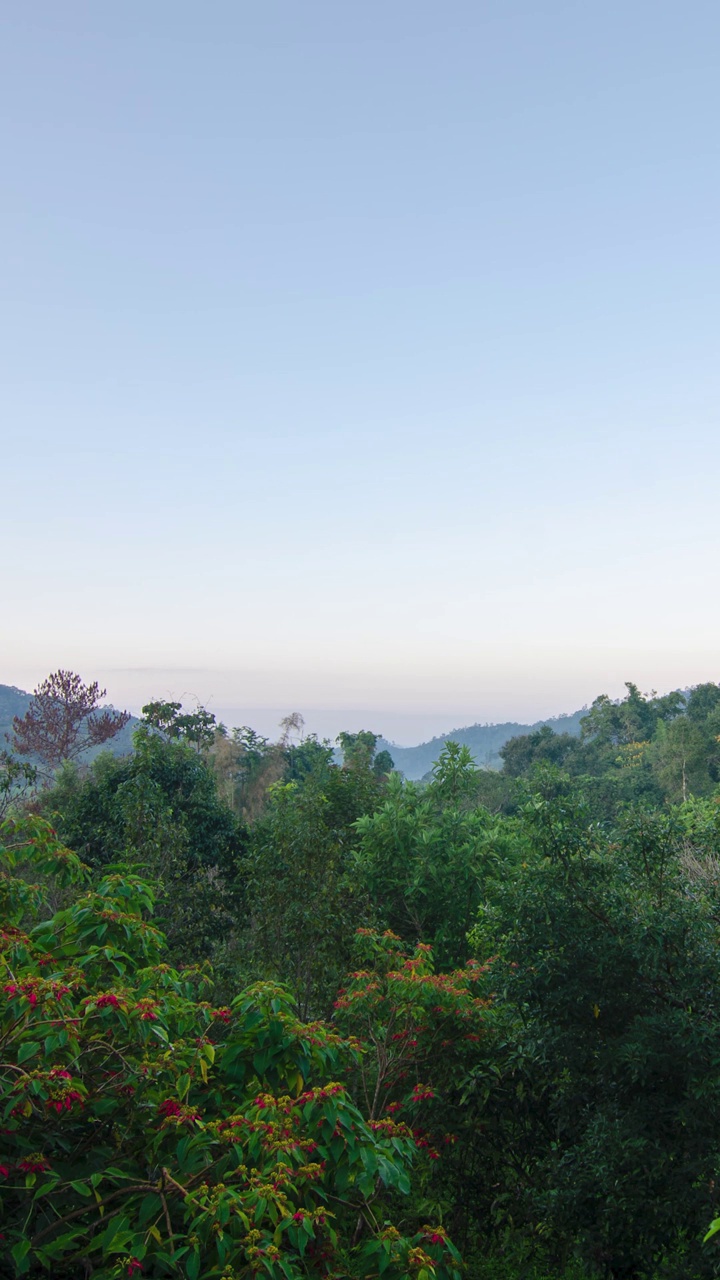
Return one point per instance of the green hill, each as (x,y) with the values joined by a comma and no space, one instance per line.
(484,741)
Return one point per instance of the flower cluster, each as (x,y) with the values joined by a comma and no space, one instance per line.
(173,1110)
(146,1008)
(108,1000)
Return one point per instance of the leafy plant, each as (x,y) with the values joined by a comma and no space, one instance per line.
(146,1131)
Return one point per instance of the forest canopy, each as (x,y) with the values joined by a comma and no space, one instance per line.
(270,1008)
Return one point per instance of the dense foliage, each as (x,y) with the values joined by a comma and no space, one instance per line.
(282,1011)
(147,1131)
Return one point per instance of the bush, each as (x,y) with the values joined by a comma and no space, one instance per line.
(147,1132)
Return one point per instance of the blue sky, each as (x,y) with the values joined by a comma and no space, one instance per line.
(361,359)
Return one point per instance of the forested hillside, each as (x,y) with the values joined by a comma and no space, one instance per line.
(266,1012)
(484,741)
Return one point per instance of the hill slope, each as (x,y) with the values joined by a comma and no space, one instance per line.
(484,741)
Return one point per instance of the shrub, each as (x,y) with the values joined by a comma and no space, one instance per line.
(148,1133)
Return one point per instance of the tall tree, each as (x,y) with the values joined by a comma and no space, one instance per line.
(168,718)
(64,719)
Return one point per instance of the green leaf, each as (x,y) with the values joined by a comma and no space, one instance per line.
(149,1205)
(28,1050)
(81,1188)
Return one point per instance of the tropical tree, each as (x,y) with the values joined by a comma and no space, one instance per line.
(168,718)
(158,811)
(304,899)
(424,854)
(607,958)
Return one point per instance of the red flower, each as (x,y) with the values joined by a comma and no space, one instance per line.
(170,1107)
(133,1266)
(146,1009)
(58,1073)
(34,1164)
(224,1014)
(4,1171)
(65,1103)
(109,999)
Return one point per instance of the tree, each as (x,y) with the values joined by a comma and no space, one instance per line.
(542,745)
(422,1032)
(64,720)
(16,779)
(680,757)
(158,809)
(147,1130)
(303,899)
(634,719)
(703,700)
(168,718)
(607,956)
(424,854)
(359,752)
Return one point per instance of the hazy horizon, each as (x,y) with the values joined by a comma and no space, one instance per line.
(407,725)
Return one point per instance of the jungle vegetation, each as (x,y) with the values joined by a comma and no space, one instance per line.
(267,1009)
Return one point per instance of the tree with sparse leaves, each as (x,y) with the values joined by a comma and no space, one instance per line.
(65,719)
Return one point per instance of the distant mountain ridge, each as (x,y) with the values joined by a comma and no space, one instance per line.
(484,740)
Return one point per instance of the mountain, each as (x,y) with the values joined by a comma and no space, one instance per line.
(15,702)
(484,741)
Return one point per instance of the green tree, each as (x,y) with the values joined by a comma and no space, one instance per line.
(634,719)
(704,699)
(680,758)
(17,778)
(542,746)
(424,854)
(608,960)
(359,752)
(168,718)
(159,810)
(303,897)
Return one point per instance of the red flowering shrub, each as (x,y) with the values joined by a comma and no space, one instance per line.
(145,1132)
(416,1028)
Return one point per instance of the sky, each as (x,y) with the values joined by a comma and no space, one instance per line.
(360,359)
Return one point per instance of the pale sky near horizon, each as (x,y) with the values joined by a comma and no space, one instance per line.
(361,359)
